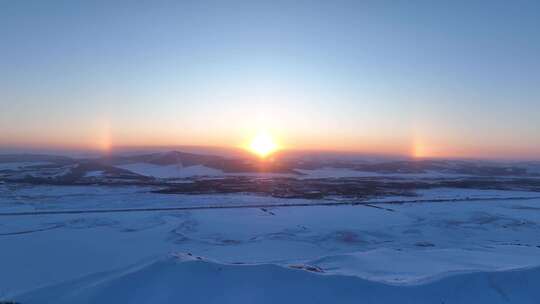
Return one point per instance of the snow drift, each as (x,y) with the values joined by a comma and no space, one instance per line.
(173,280)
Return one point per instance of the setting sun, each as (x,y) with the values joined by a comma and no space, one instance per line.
(263,145)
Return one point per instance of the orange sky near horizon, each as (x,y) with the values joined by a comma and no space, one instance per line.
(104,139)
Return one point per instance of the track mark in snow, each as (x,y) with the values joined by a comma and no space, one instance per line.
(259,206)
(31,231)
(378,207)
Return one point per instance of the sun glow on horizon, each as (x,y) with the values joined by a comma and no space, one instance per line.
(263,145)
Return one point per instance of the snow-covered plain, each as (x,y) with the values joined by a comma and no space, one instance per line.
(329,172)
(430,252)
(181,172)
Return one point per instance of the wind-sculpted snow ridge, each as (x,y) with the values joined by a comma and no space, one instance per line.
(417,267)
(184,278)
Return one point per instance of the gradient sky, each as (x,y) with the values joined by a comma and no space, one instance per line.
(421,78)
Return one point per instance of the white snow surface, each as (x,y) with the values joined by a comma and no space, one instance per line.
(331,172)
(170,171)
(171,281)
(95,173)
(440,252)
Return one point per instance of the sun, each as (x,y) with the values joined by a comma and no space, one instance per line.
(263,144)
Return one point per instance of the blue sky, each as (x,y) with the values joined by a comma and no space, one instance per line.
(428,78)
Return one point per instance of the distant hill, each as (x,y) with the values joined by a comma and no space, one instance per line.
(174,164)
(12,158)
